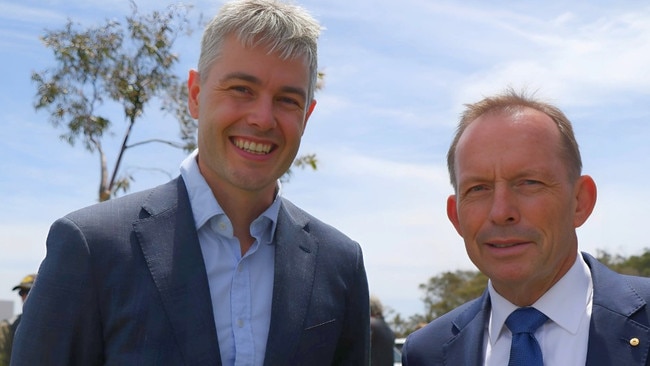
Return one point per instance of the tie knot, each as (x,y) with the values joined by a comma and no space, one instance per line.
(525,320)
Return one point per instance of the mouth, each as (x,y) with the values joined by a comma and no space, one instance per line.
(509,245)
(253,147)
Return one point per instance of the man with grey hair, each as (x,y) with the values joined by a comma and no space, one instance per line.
(214,267)
(519,196)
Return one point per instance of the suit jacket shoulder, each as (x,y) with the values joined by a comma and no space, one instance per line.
(455,338)
(619,331)
(123,282)
(323,232)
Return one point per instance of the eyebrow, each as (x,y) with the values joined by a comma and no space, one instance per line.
(255,80)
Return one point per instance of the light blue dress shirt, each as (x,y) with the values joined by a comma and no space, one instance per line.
(241,287)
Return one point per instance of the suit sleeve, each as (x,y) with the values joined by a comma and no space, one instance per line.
(354,345)
(60,323)
(405,359)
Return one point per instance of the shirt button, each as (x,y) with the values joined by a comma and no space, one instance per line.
(240,323)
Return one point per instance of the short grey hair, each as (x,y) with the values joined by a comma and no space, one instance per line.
(282,27)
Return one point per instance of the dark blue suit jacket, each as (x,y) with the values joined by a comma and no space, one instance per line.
(620,312)
(124,283)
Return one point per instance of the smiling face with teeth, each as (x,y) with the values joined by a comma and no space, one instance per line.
(517,205)
(252,109)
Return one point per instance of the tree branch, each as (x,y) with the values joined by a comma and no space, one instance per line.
(167,142)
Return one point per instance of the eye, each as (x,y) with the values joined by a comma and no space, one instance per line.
(240,89)
(528,182)
(530,185)
(475,189)
(290,101)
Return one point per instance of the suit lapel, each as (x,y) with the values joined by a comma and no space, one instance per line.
(295,260)
(467,347)
(171,249)
(615,338)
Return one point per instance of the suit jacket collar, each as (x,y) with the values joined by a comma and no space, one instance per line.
(169,242)
(466,348)
(295,265)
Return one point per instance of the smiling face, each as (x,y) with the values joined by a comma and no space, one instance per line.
(516,207)
(252,111)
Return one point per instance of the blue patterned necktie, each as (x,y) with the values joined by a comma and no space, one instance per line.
(525,350)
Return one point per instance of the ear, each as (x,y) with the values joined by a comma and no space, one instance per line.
(585,193)
(310,109)
(193,89)
(452,213)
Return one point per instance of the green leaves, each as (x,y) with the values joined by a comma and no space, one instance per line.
(124,63)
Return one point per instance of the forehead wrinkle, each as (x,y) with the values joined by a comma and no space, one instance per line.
(469,152)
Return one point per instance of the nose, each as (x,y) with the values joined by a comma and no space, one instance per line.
(261,114)
(504,210)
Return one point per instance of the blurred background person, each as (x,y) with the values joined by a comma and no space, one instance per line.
(8,326)
(382,338)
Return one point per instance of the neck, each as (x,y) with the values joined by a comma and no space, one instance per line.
(242,208)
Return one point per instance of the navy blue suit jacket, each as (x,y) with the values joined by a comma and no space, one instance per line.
(620,312)
(124,283)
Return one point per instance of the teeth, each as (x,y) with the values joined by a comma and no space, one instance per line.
(503,245)
(252,147)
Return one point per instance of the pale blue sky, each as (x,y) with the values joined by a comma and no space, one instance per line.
(397,76)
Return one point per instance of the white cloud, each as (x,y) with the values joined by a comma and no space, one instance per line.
(12,11)
(577,63)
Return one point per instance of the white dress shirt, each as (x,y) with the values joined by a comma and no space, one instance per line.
(564,337)
(241,287)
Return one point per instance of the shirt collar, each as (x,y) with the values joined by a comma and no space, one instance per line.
(574,289)
(205,206)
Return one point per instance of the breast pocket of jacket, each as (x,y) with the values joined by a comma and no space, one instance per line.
(318,341)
